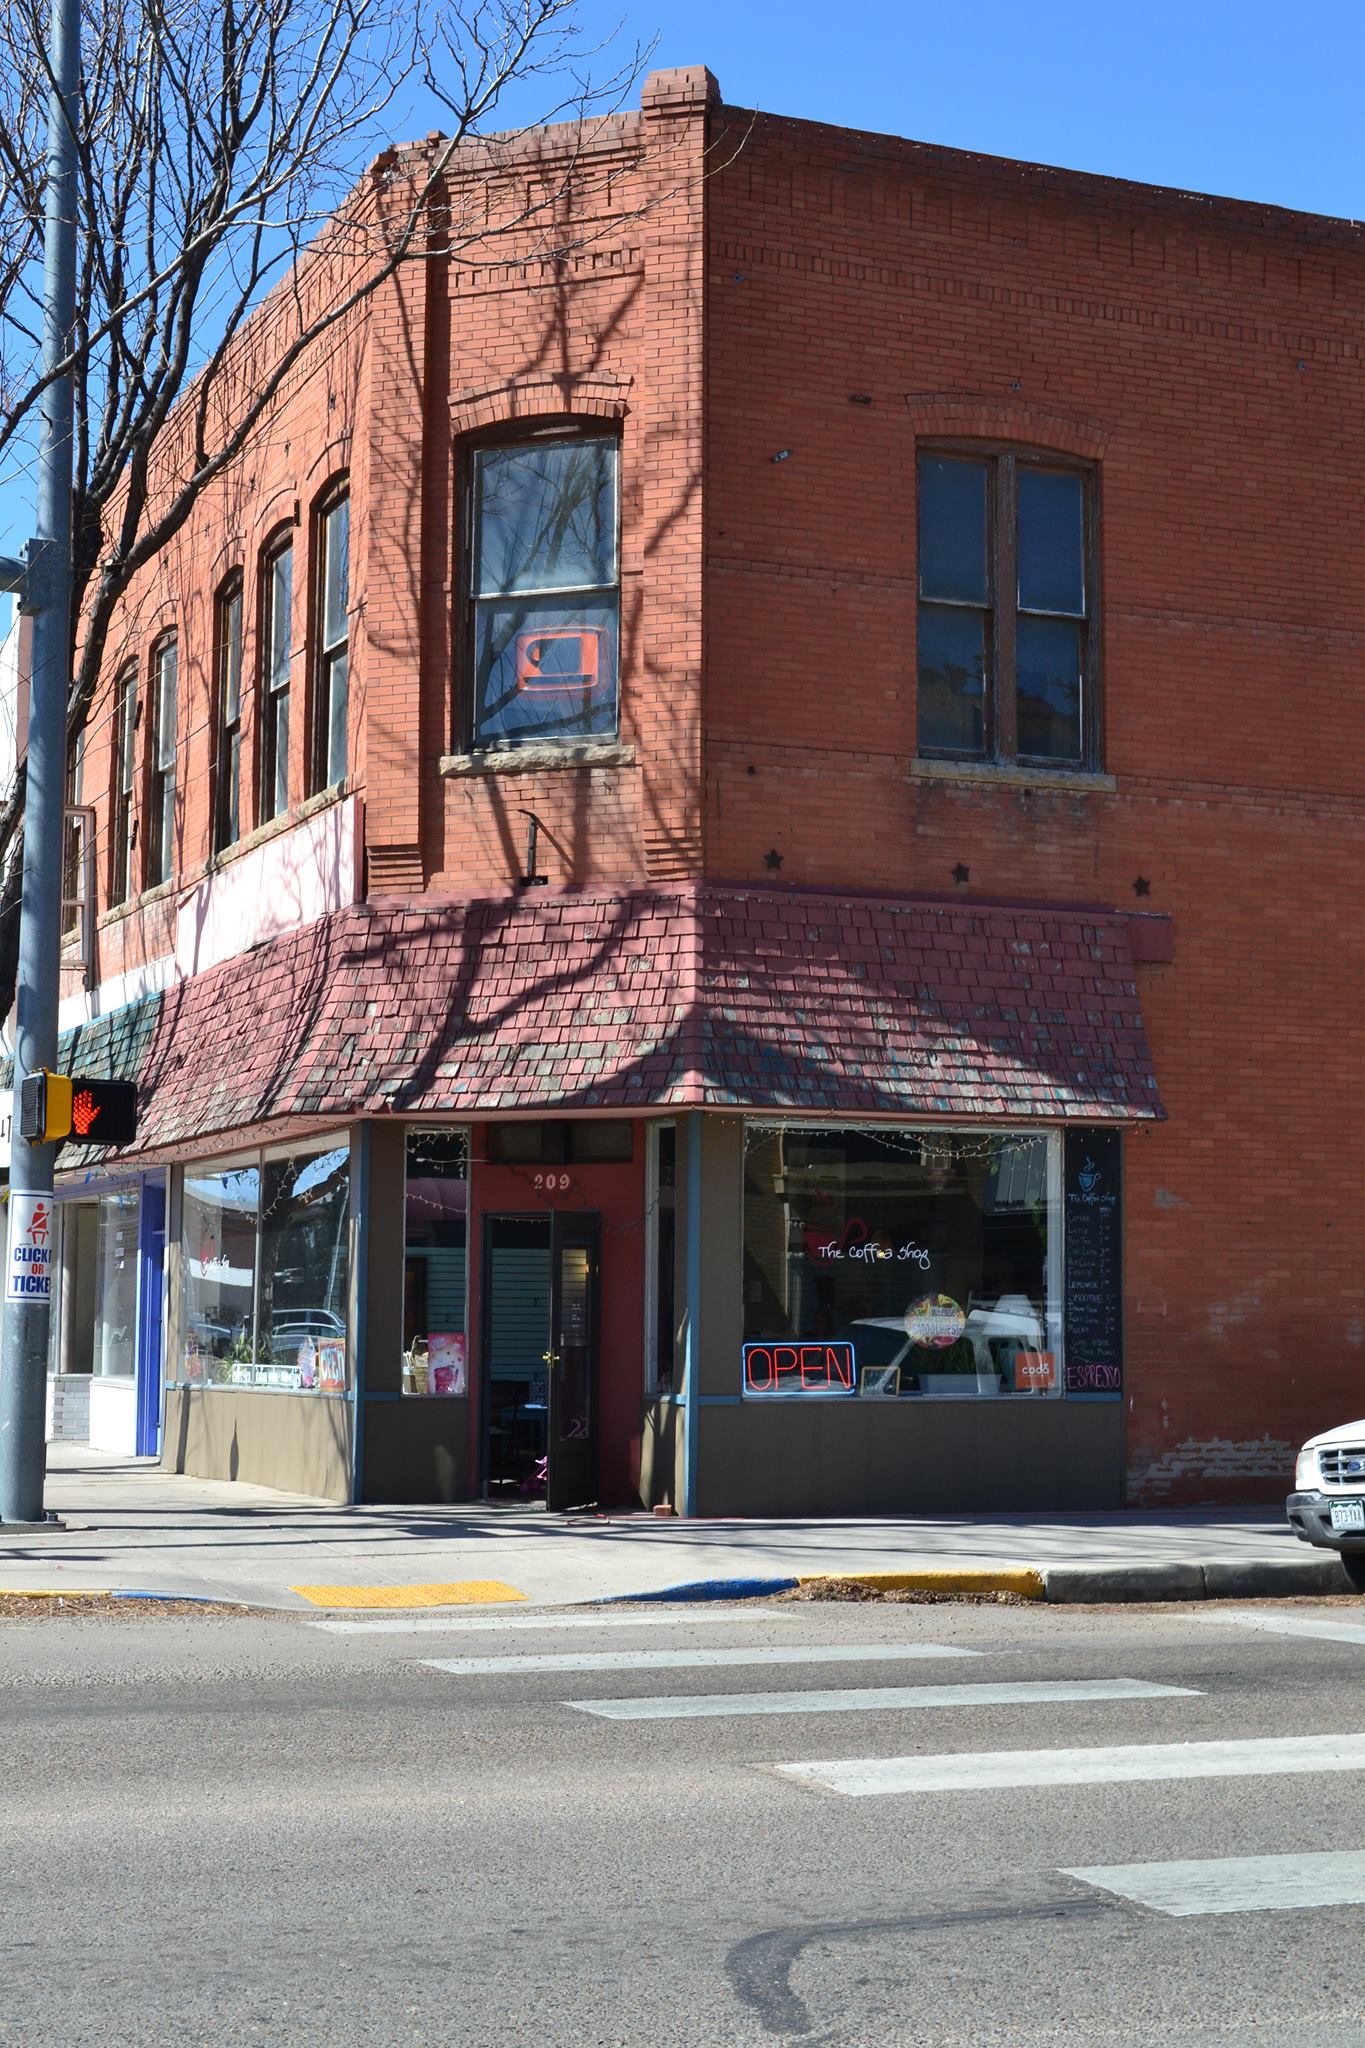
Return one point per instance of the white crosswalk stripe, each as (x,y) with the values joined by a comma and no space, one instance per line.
(491,1621)
(877,1699)
(1236,1884)
(1146,1762)
(688,1660)
(1323,1630)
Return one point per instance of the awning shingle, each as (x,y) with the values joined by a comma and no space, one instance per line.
(675,997)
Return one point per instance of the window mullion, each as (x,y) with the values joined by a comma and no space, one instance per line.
(1005,720)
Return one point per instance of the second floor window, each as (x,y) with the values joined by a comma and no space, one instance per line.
(1006,613)
(74,835)
(227,794)
(277,595)
(125,740)
(544,591)
(161,755)
(333,644)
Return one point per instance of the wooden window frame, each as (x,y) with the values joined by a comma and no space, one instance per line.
(273,693)
(227,738)
(1000,719)
(123,785)
(521,433)
(330,657)
(159,838)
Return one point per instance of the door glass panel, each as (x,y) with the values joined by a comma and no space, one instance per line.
(116,1298)
(573,1417)
(518,1308)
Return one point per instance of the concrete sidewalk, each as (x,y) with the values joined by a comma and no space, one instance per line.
(129,1527)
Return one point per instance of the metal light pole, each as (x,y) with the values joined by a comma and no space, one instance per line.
(46,592)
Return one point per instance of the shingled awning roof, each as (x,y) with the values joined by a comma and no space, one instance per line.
(676,997)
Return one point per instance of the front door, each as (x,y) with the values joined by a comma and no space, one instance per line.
(540,1279)
(571,1361)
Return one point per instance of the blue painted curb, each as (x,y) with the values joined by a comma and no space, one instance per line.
(704,1589)
(188,1599)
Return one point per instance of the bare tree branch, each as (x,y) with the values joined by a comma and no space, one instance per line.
(213,142)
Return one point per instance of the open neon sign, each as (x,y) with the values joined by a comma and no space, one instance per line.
(812,1368)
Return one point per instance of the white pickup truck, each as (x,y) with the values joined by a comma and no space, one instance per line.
(1327,1506)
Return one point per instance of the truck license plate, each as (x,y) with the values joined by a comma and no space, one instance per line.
(1348,1514)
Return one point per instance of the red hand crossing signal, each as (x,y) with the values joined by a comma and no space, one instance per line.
(84,1110)
(55,1107)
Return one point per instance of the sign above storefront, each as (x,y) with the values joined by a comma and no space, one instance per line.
(812,1368)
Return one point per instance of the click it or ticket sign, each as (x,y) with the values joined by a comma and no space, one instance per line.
(28,1267)
(812,1368)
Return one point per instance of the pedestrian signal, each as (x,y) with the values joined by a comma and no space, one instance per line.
(54,1107)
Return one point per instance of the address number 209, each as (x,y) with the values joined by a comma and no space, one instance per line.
(551,1183)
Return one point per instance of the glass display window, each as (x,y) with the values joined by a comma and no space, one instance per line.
(265,1271)
(886,1264)
(435,1277)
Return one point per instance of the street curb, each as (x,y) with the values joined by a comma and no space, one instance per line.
(1059,1585)
(1266,1578)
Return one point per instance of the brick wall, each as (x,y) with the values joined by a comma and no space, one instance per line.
(1208,356)
(732,289)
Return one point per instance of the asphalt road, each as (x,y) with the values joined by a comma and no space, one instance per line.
(259,1830)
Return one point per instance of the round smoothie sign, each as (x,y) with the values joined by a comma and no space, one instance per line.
(935,1321)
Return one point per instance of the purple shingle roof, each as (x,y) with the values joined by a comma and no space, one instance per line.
(673,997)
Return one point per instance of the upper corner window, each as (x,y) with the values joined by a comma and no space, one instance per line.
(333,642)
(545,593)
(227,796)
(125,740)
(276,613)
(1007,628)
(161,764)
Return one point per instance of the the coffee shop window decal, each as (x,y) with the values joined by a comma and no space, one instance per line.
(890,1264)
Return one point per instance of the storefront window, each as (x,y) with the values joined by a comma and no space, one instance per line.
(265,1272)
(881,1264)
(301,1286)
(116,1285)
(218,1268)
(436,1206)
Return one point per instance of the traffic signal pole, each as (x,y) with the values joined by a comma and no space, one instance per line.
(46,594)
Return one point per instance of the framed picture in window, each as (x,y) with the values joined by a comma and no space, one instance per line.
(879,1382)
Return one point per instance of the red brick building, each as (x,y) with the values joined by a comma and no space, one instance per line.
(700,862)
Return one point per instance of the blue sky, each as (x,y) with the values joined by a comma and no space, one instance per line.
(1259,100)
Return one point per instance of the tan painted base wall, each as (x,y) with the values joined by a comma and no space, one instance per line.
(920,1457)
(417,1450)
(300,1443)
(661,1472)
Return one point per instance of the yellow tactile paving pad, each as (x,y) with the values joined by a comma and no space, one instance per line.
(460,1593)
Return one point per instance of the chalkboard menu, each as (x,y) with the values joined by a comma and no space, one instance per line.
(1093,1309)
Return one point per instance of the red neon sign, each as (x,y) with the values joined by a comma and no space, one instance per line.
(812,1368)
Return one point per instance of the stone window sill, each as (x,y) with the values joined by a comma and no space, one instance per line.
(1012,775)
(536,760)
